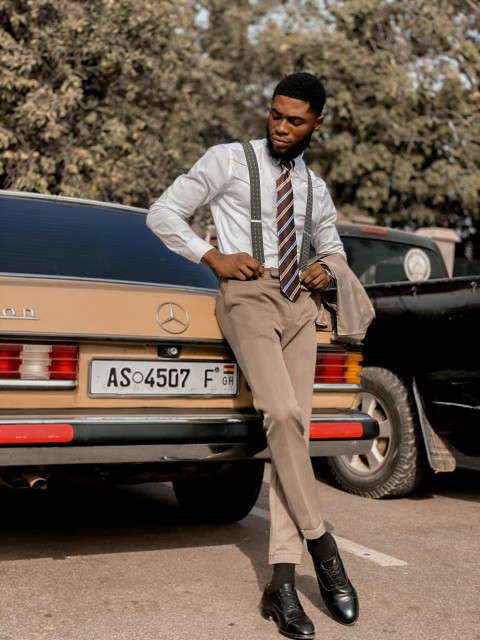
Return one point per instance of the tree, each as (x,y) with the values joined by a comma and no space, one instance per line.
(106,104)
(113,103)
(402,132)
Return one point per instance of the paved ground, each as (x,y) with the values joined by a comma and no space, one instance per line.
(121,564)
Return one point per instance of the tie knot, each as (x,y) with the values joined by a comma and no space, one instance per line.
(286,165)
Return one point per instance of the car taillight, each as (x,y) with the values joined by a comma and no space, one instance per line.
(338,367)
(10,360)
(374,231)
(38,362)
(63,363)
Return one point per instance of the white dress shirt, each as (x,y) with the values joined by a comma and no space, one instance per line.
(221,179)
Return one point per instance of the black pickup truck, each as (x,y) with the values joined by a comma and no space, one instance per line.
(421,378)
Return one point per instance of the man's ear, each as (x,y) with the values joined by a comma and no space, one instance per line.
(318,122)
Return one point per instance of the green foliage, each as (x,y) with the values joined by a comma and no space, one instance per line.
(401,137)
(112,100)
(106,100)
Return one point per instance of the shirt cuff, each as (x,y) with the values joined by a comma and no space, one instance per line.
(196,248)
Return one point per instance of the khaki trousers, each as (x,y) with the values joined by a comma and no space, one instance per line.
(274,341)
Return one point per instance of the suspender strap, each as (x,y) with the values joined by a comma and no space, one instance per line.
(255,203)
(307,230)
(256,210)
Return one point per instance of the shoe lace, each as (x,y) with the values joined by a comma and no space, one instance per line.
(335,575)
(290,599)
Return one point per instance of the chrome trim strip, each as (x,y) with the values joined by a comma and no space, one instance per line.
(159,285)
(2,317)
(38,384)
(152,340)
(339,387)
(132,420)
(144,418)
(163,454)
(27,195)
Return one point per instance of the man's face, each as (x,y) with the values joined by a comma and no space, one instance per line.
(290,126)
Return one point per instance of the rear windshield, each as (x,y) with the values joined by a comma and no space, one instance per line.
(52,238)
(375,261)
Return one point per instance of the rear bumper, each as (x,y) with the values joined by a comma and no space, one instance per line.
(137,439)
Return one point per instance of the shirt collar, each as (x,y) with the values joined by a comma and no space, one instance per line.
(298,165)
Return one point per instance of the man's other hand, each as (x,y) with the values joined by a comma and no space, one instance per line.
(315,277)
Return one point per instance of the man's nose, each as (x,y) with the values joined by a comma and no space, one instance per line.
(282,126)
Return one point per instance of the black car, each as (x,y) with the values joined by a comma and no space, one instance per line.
(421,379)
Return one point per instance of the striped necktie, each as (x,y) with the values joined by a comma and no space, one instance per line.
(287,239)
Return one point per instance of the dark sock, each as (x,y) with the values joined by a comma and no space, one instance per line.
(283,573)
(322,548)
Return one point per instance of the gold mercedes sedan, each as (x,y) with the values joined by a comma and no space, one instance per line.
(113,368)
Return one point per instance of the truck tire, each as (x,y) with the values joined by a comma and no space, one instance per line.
(394,466)
(225,496)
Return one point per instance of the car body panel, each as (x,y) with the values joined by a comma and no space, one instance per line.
(82,308)
(119,321)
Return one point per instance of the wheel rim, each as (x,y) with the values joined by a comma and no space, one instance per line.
(369,463)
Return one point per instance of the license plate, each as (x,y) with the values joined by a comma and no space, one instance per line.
(154,378)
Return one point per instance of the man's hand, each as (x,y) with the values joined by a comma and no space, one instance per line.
(240,266)
(315,277)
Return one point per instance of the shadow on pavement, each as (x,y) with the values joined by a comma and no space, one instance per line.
(81,520)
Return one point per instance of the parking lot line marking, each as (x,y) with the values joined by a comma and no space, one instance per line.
(359,550)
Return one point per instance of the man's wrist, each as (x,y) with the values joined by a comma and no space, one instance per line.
(330,275)
(210,256)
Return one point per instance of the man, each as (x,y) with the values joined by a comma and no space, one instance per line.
(267,310)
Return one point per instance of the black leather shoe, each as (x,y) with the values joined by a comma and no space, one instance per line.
(337,591)
(284,607)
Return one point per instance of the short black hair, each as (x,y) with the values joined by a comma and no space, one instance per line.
(303,86)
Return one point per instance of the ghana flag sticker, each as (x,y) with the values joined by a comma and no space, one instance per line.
(228,368)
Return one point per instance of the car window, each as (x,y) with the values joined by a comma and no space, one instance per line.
(375,261)
(45,237)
